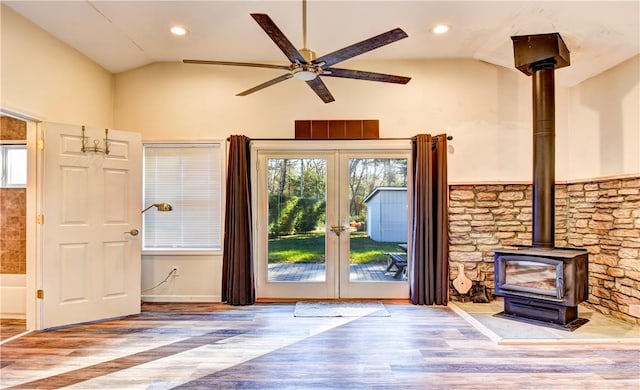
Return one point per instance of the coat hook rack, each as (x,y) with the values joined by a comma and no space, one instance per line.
(96,143)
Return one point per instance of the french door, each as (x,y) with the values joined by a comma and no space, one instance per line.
(331,223)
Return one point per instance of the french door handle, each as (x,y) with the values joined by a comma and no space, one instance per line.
(338,229)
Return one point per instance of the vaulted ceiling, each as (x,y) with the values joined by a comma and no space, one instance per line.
(121,35)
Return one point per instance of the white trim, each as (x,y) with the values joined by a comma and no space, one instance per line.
(32,235)
(15,337)
(475,323)
(37,177)
(331,145)
(13,296)
(183,141)
(186,252)
(182,298)
(491,183)
(21,115)
(604,178)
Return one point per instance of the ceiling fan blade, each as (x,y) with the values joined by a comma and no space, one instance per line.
(363,75)
(250,64)
(266,84)
(279,38)
(361,47)
(321,90)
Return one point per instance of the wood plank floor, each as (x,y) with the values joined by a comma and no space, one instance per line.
(11,327)
(211,346)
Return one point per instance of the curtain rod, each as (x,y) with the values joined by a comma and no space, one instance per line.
(449,137)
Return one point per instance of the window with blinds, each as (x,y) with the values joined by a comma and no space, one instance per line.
(188,177)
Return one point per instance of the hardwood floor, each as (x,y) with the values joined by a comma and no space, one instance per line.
(11,327)
(211,346)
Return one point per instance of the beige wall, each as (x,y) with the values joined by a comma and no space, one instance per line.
(605,124)
(486,108)
(44,78)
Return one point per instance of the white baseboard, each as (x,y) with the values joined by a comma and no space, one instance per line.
(182,298)
(13,298)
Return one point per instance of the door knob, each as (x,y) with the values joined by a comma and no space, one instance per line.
(133,232)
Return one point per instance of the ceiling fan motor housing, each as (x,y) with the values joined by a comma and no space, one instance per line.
(308,54)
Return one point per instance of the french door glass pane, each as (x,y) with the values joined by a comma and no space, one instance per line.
(378,215)
(297,219)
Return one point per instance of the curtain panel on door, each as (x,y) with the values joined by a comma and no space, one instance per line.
(429,277)
(237,261)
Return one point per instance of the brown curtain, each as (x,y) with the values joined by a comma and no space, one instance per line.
(429,278)
(237,261)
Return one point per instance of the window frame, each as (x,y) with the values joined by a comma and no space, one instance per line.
(223,169)
(5,146)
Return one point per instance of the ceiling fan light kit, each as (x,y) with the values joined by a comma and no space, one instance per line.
(306,67)
(305,74)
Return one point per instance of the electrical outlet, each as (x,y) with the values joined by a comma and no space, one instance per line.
(176,270)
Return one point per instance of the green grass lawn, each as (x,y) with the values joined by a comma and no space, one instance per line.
(310,248)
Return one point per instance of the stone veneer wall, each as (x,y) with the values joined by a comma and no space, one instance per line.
(602,216)
(13,211)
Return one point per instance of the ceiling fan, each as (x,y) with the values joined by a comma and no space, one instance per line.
(304,64)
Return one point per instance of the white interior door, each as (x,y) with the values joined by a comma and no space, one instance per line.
(90,258)
(336,256)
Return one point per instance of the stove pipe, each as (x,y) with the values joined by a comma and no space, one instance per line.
(538,56)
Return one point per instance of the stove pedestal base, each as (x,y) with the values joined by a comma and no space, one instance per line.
(541,312)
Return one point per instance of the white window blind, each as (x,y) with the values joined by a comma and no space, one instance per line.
(188,177)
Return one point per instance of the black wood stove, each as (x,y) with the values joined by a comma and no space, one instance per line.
(542,284)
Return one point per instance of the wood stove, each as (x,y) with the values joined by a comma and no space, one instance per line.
(542,284)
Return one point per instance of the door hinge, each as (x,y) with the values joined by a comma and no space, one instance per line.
(40,294)
(40,219)
(40,144)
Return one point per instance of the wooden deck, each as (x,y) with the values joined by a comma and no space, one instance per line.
(300,272)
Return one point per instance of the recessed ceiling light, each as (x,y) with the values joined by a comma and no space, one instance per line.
(178,30)
(440,29)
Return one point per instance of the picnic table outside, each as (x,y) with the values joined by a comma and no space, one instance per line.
(399,262)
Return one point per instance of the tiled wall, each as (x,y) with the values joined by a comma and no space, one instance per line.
(12,129)
(13,234)
(13,210)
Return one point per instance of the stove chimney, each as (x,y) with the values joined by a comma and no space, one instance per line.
(538,56)
(542,284)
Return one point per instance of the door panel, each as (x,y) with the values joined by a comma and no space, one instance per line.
(292,229)
(90,265)
(376,210)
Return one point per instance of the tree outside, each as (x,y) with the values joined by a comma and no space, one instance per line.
(297,207)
